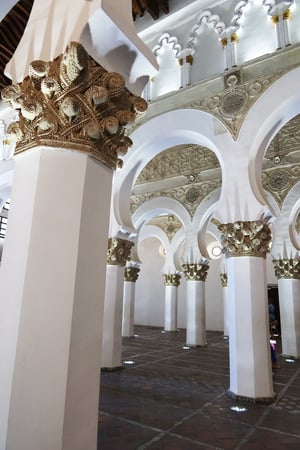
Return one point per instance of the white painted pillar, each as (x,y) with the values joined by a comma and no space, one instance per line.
(185,61)
(245,245)
(195,303)
(287,272)
(130,277)
(118,253)
(195,313)
(171,282)
(225,294)
(250,361)
(52,282)
(289,303)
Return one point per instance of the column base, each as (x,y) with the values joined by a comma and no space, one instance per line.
(111,369)
(258,400)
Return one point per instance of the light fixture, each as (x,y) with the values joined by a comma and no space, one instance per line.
(238,408)
(129,362)
(290,360)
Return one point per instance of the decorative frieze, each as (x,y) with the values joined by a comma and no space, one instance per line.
(171,279)
(245,238)
(287,268)
(131,273)
(73,102)
(118,252)
(224,279)
(195,272)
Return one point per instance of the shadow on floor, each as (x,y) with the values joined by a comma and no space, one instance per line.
(175,398)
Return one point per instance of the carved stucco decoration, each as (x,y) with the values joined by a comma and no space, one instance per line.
(287,268)
(189,174)
(118,251)
(224,279)
(281,166)
(233,103)
(245,238)
(195,272)
(131,274)
(171,279)
(73,102)
(169,224)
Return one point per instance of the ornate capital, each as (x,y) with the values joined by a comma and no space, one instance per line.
(245,238)
(131,274)
(171,279)
(73,102)
(224,279)
(287,268)
(195,272)
(118,251)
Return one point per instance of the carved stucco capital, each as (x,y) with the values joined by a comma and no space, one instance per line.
(245,238)
(131,274)
(73,102)
(224,279)
(287,268)
(195,272)
(171,279)
(118,252)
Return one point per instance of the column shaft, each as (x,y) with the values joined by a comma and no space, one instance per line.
(52,279)
(128,308)
(170,308)
(289,299)
(112,326)
(250,361)
(195,313)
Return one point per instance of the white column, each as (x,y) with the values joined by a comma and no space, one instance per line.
(112,319)
(131,275)
(170,308)
(51,305)
(195,313)
(117,254)
(289,303)
(250,361)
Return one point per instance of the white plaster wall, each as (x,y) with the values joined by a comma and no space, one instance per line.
(214,297)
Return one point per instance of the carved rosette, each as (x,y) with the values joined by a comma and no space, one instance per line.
(195,272)
(224,279)
(171,279)
(118,252)
(131,274)
(245,238)
(73,102)
(287,268)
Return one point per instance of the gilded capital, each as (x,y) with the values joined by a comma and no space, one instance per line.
(171,279)
(245,238)
(195,272)
(131,274)
(224,279)
(118,251)
(73,102)
(287,268)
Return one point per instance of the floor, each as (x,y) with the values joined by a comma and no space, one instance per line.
(175,398)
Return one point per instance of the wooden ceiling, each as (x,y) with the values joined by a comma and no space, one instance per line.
(13,25)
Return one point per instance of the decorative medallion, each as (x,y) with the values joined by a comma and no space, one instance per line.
(118,252)
(131,273)
(171,279)
(287,268)
(73,102)
(195,272)
(245,238)
(169,224)
(192,195)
